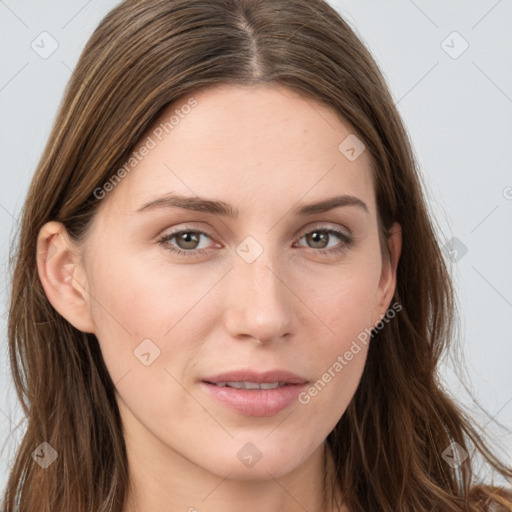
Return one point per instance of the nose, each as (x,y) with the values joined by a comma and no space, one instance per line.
(259,301)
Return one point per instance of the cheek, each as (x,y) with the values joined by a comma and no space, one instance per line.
(339,365)
(140,299)
(149,312)
(342,300)
(141,316)
(341,341)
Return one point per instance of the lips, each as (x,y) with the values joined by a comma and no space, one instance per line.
(255,393)
(257,377)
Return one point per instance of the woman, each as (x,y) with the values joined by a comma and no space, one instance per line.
(178,338)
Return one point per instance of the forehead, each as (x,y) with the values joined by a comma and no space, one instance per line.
(245,144)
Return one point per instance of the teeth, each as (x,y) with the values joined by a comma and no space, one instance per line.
(269,385)
(251,385)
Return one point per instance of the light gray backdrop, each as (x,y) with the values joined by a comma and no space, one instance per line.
(449,68)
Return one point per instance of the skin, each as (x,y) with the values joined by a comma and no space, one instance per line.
(264,150)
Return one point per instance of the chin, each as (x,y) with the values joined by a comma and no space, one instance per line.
(259,459)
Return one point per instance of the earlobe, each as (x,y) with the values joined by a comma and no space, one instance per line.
(63,280)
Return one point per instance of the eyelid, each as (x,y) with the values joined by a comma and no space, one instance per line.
(319,225)
(303,231)
(186,228)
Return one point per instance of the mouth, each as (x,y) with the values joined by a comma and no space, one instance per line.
(249,385)
(255,394)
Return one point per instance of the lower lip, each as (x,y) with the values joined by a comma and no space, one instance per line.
(256,402)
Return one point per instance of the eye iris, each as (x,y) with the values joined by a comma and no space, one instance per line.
(187,237)
(316,235)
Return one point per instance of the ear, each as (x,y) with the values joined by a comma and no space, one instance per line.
(62,275)
(387,283)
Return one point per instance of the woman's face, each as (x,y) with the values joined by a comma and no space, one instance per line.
(262,288)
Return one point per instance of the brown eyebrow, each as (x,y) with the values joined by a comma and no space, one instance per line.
(221,208)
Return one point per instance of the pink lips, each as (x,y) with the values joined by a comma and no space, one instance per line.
(256,402)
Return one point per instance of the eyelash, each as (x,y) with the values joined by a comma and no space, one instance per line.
(164,241)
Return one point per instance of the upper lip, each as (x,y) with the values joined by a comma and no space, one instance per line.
(259,377)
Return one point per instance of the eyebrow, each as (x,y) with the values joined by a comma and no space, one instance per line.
(224,209)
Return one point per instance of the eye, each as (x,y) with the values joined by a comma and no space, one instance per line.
(188,240)
(320,237)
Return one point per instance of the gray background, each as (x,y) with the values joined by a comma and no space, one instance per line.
(457,107)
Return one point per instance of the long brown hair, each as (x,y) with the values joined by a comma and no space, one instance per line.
(144,55)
